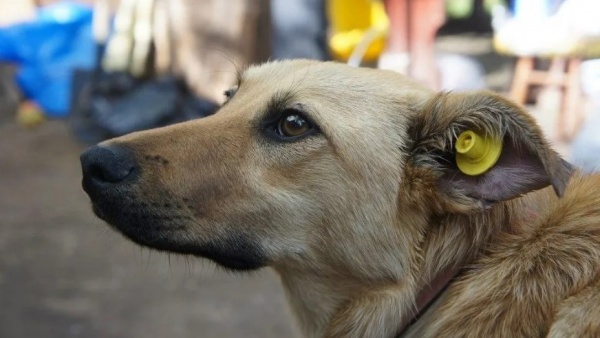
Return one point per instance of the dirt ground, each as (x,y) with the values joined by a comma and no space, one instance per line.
(63,273)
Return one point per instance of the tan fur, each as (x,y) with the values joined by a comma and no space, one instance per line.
(358,218)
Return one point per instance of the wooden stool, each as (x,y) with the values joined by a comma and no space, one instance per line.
(563,73)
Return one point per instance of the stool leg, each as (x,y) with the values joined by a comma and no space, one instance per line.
(554,92)
(571,116)
(520,83)
(556,71)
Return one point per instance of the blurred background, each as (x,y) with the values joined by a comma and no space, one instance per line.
(78,72)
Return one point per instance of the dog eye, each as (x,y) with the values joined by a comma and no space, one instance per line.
(293,125)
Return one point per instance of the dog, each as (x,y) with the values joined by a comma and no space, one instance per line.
(345,182)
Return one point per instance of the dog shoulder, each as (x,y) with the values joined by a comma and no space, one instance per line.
(578,315)
(522,284)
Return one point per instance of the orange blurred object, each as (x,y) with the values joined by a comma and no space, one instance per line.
(413,27)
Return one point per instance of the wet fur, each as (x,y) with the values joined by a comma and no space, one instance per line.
(358,217)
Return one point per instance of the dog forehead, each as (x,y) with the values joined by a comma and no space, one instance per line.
(325,76)
(331,79)
(334,84)
(293,75)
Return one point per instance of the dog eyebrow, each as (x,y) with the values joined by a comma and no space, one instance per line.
(279,102)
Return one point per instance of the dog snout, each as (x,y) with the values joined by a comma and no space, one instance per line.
(104,167)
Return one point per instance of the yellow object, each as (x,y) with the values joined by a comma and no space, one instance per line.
(351,21)
(476,154)
(29,115)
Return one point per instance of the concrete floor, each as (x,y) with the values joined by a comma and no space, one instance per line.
(63,273)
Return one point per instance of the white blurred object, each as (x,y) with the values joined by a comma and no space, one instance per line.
(581,16)
(16,11)
(142,37)
(398,62)
(590,78)
(531,9)
(532,31)
(101,21)
(460,72)
(120,44)
(457,72)
(129,47)
(585,149)
(162,37)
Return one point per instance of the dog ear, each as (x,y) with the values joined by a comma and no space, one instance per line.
(525,163)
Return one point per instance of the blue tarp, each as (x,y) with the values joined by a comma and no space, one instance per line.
(47,50)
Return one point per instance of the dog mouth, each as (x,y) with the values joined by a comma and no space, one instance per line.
(166,227)
(142,221)
(138,218)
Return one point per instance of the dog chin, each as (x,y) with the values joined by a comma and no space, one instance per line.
(234,252)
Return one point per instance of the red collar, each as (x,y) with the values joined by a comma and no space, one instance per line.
(429,294)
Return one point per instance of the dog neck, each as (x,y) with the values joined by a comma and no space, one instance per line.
(314,299)
(428,295)
(449,243)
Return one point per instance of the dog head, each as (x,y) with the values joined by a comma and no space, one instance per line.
(313,165)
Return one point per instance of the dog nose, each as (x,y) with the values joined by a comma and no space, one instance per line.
(107,165)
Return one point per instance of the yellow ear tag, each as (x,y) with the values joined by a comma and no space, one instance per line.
(476,154)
